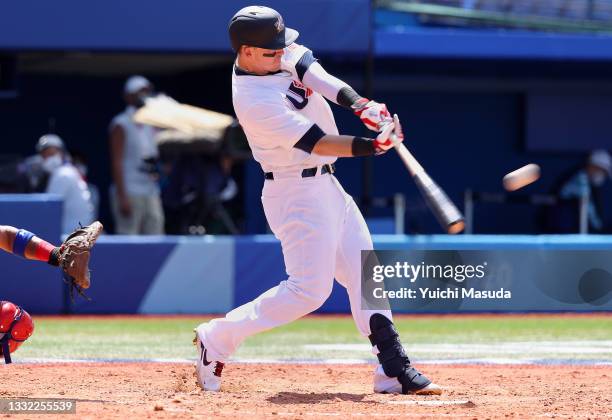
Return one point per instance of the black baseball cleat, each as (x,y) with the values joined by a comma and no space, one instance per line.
(413,382)
(395,374)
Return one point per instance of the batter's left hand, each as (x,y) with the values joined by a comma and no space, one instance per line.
(390,135)
(371,113)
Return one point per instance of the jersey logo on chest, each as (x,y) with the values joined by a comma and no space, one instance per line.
(298,94)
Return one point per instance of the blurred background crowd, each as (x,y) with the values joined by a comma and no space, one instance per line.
(187,189)
(480,87)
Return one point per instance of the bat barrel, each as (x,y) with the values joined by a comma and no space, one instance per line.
(447,214)
(456,227)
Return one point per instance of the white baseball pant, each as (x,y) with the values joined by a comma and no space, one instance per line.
(322,233)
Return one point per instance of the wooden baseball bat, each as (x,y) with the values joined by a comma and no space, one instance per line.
(447,214)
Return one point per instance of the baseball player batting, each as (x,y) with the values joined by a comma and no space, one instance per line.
(279,94)
(72,257)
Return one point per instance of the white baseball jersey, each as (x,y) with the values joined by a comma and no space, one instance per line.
(281,117)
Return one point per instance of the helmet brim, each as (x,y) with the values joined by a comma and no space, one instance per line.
(284,39)
(290,36)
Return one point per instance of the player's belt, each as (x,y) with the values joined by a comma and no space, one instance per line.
(309,172)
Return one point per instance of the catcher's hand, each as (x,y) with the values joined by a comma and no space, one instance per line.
(74,256)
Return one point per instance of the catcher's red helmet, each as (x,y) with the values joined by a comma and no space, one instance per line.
(16,326)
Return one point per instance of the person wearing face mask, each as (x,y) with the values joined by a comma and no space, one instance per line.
(135,193)
(65,180)
(587,181)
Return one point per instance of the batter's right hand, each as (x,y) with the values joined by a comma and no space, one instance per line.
(390,135)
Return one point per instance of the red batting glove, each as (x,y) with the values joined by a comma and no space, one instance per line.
(371,113)
(390,136)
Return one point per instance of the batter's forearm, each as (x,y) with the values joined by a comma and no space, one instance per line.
(330,86)
(347,97)
(344,146)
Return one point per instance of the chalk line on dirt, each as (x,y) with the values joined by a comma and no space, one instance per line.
(466,361)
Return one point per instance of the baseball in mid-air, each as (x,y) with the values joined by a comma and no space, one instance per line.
(521,177)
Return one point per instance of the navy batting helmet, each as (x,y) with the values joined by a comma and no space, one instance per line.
(262,27)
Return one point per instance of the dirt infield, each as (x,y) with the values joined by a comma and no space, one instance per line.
(156,390)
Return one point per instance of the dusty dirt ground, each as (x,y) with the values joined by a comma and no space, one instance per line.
(155,390)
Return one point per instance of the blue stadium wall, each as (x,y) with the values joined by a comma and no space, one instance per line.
(187,275)
(213,274)
(25,281)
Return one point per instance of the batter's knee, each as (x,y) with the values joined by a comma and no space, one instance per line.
(312,294)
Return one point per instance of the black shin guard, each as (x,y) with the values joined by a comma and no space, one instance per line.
(392,357)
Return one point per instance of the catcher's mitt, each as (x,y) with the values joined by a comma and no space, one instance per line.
(74,256)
